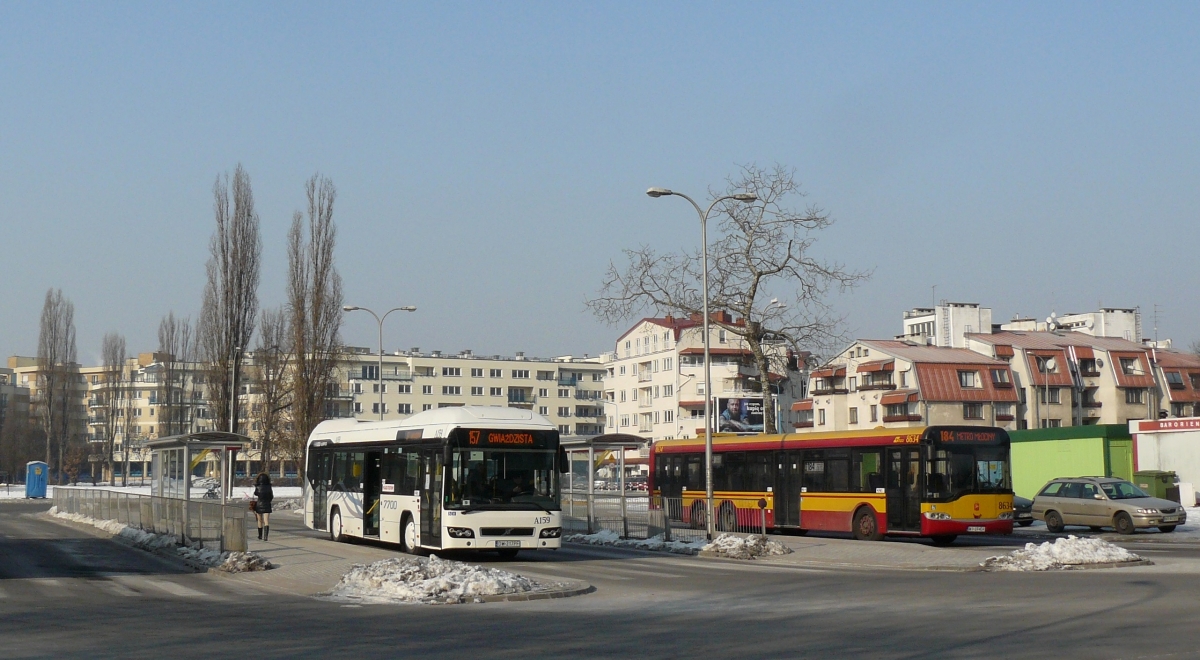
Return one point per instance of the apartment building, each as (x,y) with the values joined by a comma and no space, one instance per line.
(567,390)
(1179,381)
(14,398)
(895,384)
(655,381)
(26,374)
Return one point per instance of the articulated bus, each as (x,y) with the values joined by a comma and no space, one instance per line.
(464,478)
(937,482)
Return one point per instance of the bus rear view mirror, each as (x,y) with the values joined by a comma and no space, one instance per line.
(564,464)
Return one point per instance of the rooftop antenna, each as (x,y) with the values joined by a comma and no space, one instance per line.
(1156,308)
(934,298)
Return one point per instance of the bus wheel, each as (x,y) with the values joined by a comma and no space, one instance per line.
(408,540)
(507,553)
(727,520)
(335,526)
(698,516)
(866,526)
(944,539)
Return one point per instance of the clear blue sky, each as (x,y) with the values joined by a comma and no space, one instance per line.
(491,158)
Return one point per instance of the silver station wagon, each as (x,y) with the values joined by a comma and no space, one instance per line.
(1104,502)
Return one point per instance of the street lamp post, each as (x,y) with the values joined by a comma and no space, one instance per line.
(708,484)
(380,320)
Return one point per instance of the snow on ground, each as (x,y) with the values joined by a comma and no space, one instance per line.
(748,547)
(427,580)
(657,543)
(233,562)
(1064,553)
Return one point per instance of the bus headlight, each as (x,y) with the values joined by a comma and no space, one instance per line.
(551,533)
(937,515)
(461,532)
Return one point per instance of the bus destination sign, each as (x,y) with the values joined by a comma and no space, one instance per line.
(967,436)
(499,438)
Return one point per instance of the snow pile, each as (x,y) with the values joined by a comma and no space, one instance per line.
(427,580)
(749,547)
(657,543)
(233,562)
(1061,553)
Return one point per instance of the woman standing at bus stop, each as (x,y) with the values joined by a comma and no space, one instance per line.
(262,507)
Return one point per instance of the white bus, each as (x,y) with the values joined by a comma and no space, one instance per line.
(463,478)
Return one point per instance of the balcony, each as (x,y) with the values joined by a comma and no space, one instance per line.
(1089,373)
(403,375)
(829,390)
(808,424)
(1091,404)
(877,386)
(888,419)
(1005,418)
(567,381)
(645,376)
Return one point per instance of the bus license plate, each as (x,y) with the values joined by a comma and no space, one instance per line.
(508,544)
(976,528)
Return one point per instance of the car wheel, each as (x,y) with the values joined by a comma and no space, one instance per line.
(1025,523)
(1054,521)
(866,525)
(335,527)
(944,539)
(1166,529)
(1123,523)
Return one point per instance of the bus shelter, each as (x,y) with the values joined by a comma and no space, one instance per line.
(175,459)
(615,443)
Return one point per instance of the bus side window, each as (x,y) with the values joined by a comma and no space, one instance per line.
(339,471)
(866,474)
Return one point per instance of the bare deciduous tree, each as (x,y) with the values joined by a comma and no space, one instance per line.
(230,304)
(270,381)
(112,353)
(19,442)
(175,343)
(764,251)
(314,307)
(56,374)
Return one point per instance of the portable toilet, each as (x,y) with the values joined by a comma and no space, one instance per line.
(35,479)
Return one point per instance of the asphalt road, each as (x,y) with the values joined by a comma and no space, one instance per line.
(63,592)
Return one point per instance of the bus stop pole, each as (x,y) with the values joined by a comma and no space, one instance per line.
(624,518)
(591,491)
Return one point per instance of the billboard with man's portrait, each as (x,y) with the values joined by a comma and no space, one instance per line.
(739,416)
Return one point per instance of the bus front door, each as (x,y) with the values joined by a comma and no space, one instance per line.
(371,486)
(318,484)
(903,490)
(787,490)
(431,497)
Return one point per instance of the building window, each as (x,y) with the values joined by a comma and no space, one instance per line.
(1131,366)
(564,411)
(1195,378)
(721,337)
(624,419)
(563,393)
(1174,379)
(668,390)
(452,390)
(1051,423)
(700,387)
(426,406)
(874,413)
(668,416)
(476,372)
(404,389)
(404,408)
(972,411)
(821,417)
(520,373)
(370,372)
(427,389)
(356,388)
(357,407)
(627,344)
(543,410)
(1179,410)
(376,387)
(853,383)
(1135,396)
(564,430)
(495,373)
(451,371)
(543,392)
(495,391)
(1000,377)
(903,379)
(375,408)
(1049,395)
(968,379)
(476,391)
(667,362)
(633,395)
(622,396)
(853,415)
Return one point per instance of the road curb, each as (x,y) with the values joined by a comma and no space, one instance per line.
(567,590)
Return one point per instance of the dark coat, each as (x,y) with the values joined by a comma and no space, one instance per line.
(264,494)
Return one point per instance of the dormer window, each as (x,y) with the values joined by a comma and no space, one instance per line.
(1131,366)
(968,379)
(1174,379)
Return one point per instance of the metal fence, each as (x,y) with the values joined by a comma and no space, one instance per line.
(209,524)
(636,515)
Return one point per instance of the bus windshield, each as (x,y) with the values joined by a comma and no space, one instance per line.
(963,470)
(502,479)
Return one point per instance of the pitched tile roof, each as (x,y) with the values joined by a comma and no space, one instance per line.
(940,382)
(932,354)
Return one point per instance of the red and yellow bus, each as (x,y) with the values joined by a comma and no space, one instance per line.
(937,481)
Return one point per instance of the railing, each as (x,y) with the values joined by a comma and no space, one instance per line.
(569,381)
(197,521)
(637,515)
(901,418)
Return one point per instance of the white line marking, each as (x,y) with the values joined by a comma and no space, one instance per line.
(176,589)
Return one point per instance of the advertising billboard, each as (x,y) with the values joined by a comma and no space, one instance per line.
(739,415)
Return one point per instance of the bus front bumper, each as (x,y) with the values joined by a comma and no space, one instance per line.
(956,527)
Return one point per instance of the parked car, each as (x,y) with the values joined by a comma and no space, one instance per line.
(1022,511)
(1099,502)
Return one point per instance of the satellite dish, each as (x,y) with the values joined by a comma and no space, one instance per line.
(1099,363)
(1051,364)
(1089,324)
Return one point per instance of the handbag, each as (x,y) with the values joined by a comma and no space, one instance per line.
(254,506)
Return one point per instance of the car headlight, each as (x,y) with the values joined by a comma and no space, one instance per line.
(551,533)
(937,515)
(1151,511)
(461,532)
(1006,515)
